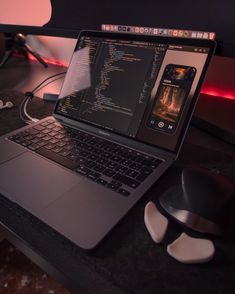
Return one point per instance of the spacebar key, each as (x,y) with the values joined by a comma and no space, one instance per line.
(57,158)
(126,181)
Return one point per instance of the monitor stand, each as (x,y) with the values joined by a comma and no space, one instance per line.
(20,46)
(2,46)
(216,115)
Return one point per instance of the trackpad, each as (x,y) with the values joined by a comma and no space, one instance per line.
(34,182)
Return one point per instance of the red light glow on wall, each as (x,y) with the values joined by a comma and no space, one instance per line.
(220,79)
(213,91)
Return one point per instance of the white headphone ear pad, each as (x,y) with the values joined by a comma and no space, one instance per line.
(187,249)
(155,222)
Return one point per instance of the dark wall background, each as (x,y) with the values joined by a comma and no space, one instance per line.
(71,16)
(208,15)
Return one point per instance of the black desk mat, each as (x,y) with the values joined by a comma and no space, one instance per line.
(128,261)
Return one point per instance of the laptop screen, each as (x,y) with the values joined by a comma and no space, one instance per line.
(137,87)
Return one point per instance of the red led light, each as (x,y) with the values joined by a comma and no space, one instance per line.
(49,61)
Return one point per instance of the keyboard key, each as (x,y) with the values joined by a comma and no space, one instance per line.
(138,158)
(40,135)
(59,136)
(90,163)
(132,173)
(109,172)
(93,176)
(53,133)
(32,131)
(83,170)
(144,173)
(46,131)
(124,192)
(29,137)
(45,123)
(93,157)
(57,158)
(100,145)
(57,124)
(23,134)
(81,160)
(121,169)
(50,121)
(102,160)
(112,186)
(57,149)
(67,146)
(126,162)
(135,166)
(54,141)
(57,128)
(61,144)
(93,141)
(117,152)
(108,148)
(38,127)
(25,143)
(150,163)
(12,138)
(126,181)
(116,159)
(106,155)
(111,165)
(116,183)
(66,139)
(42,143)
(46,138)
(84,153)
(49,146)
(99,168)
(64,153)
(33,147)
(72,156)
(102,181)
(81,145)
(90,148)
(50,127)
(19,140)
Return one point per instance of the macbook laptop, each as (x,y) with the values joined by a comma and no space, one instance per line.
(118,125)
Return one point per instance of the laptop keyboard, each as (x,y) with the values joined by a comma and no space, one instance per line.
(112,165)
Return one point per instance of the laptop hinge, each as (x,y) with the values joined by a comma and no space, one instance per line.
(142,147)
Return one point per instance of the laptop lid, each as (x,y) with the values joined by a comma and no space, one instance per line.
(141,87)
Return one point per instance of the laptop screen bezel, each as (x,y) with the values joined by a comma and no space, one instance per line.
(210,44)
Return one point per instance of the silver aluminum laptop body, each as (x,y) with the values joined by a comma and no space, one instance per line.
(79,208)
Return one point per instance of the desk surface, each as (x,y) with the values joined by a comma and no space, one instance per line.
(127,261)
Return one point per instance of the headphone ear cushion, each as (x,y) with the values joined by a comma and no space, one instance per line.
(1,104)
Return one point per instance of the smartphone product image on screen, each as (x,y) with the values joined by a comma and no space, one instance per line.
(171,95)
